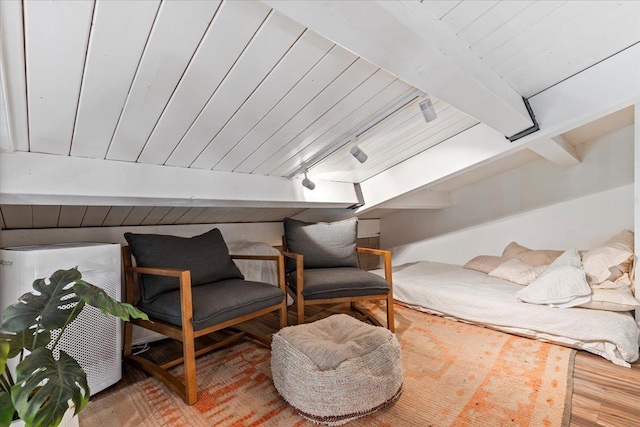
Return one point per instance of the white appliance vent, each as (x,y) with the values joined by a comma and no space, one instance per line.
(92,337)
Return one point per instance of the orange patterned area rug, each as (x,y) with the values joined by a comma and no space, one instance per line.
(455,374)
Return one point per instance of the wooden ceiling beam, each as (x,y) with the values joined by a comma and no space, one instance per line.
(35,179)
(423,199)
(557,150)
(406,40)
(12,73)
(606,87)
(456,154)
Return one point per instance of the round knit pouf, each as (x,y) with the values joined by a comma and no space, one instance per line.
(336,369)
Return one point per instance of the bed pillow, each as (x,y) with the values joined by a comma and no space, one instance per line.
(323,244)
(484,263)
(513,249)
(611,300)
(622,283)
(563,284)
(517,271)
(528,256)
(603,262)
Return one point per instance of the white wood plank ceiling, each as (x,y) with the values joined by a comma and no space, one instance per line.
(407,131)
(229,86)
(236,86)
(535,44)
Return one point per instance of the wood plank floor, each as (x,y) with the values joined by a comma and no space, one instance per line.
(604,394)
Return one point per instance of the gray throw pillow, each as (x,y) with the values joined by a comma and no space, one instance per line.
(206,256)
(323,244)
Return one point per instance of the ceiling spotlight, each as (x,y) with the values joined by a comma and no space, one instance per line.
(306,182)
(428,111)
(356,152)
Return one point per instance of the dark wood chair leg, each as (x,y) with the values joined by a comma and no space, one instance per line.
(300,303)
(283,313)
(189,353)
(390,321)
(283,287)
(300,289)
(128,338)
(187,388)
(188,339)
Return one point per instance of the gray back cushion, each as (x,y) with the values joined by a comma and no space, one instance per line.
(206,256)
(323,244)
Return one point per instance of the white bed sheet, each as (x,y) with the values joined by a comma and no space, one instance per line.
(455,292)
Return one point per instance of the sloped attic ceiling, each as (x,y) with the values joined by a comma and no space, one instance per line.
(158,112)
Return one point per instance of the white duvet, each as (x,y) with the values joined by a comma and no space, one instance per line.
(452,291)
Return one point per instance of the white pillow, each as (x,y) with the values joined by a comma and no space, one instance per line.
(569,258)
(622,283)
(612,300)
(484,263)
(617,251)
(563,284)
(517,271)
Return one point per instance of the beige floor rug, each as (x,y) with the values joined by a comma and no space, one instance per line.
(455,375)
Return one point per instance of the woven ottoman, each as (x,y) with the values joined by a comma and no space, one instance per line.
(336,369)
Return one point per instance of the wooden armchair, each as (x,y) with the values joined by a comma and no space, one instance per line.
(323,268)
(183,307)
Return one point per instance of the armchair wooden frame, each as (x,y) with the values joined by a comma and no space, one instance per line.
(187,390)
(301,302)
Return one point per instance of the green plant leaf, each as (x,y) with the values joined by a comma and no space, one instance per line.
(24,339)
(44,387)
(52,308)
(5,375)
(6,409)
(98,298)
(5,347)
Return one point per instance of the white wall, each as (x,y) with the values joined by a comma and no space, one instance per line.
(539,205)
(574,223)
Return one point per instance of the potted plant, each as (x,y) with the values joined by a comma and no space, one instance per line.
(48,381)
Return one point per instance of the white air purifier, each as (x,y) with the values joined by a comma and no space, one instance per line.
(93,339)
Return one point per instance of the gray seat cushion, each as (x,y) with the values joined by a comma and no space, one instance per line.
(323,244)
(216,302)
(206,256)
(321,283)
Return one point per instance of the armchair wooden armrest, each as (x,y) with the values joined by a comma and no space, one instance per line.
(157,271)
(386,257)
(279,259)
(257,257)
(183,330)
(299,259)
(183,275)
(186,303)
(186,310)
(380,252)
(293,255)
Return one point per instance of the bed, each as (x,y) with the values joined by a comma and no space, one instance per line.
(475,297)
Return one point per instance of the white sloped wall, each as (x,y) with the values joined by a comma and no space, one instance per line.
(539,205)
